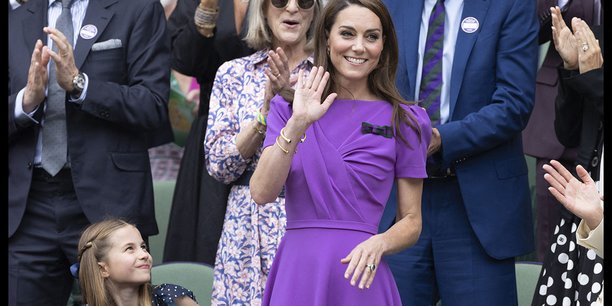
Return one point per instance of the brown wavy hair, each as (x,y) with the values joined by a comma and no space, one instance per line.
(381,80)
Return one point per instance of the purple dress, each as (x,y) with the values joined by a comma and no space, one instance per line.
(338,185)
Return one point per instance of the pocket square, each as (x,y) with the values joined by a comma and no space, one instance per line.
(106,45)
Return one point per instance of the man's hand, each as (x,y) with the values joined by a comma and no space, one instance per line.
(34,92)
(65,68)
(436,142)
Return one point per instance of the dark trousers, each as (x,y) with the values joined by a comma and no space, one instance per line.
(45,244)
(448,261)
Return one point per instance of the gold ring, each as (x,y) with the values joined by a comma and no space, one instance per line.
(585,47)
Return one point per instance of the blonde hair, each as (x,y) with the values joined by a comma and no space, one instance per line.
(93,248)
(259,35)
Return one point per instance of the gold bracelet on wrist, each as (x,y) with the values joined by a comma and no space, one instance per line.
(260,132)
(282,134)
(281,147)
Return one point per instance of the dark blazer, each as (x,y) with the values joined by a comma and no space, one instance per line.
(491,97)
(121,117)
(579,112)
(539,139)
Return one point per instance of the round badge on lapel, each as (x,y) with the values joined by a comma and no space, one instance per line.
(469,25)
(88,31)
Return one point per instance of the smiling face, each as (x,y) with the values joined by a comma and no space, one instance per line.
(355,43)
(290,24)
(127,263)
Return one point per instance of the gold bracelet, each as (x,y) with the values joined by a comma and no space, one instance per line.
(281,147)
(282,134)
(261,132)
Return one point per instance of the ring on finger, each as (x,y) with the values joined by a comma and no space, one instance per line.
(585,47)
(371,267)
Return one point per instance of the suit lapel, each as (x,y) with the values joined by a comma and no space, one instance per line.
(33,24)
(463,48)
(97,16)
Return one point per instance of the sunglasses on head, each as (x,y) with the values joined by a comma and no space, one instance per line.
(303,4)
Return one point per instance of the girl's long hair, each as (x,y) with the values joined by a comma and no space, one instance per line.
(93,248)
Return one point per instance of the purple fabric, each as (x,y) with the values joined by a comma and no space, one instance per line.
(431,77)
(338,185)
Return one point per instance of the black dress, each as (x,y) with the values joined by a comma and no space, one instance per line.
(572,274)
(199,202)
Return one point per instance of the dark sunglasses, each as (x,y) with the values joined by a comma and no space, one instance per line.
(303,4)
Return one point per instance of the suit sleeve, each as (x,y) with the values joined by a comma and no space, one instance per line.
(575,90)
(502,118)
(142,101)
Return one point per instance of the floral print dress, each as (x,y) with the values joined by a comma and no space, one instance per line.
(251,233)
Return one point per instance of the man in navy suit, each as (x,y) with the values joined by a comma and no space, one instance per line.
(476,205)
(116,83)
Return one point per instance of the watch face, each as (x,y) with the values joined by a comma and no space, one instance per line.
(79,81)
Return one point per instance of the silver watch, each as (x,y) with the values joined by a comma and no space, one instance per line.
(78,84)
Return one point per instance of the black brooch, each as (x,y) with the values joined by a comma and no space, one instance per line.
(382,130)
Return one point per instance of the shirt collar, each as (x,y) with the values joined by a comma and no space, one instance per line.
(52,2)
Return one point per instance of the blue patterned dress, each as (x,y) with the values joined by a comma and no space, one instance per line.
(251,233)
(165,294)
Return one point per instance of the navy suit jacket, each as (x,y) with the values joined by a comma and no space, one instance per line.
(491,97)
(125,111)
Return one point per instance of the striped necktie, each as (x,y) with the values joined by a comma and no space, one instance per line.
(431,77)
(54,135)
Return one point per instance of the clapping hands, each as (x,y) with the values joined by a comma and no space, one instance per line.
(578,49)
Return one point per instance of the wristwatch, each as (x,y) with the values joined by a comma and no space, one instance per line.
(78,84)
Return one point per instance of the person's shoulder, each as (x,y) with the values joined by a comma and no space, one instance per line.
(243,62)
(414,109)
(251,59)
(419,113)
(168,292)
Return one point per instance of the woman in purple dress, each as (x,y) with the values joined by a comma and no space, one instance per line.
(338,159)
